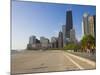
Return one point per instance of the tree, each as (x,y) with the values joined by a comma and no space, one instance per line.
(87,42)
(72,46)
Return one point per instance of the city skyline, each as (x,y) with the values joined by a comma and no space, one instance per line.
(49,15)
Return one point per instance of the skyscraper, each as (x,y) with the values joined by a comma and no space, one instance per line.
(94,17)
(82,29)
(64,35)
(91,25)
(85,24)
(69,23)
(32,39)
(72,36)
(60,40)
(54,42)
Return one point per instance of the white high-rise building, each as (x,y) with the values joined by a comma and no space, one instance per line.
(85,24)
(88,25)
(82,29)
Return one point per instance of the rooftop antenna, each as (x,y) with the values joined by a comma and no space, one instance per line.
(69,8)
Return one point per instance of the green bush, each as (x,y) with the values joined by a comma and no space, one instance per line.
(87,41)
(72,46)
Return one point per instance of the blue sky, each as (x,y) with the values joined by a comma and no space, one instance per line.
(43,19)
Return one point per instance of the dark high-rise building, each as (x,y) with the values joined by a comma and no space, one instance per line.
(69,23)
(94,17)
(60,40)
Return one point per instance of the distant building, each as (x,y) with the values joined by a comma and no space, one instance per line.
(34,43)
(85,24)
(32,39)
(72,36)
(82,29)
(64,35)
(36,46)
(44,43)
(54,42)
(60,40)
(91,25)
(29,46)
(94,17)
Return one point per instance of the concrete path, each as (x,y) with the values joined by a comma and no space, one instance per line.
(48,61)
(85,55)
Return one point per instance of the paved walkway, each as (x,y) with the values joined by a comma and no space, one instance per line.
(48,61)
(85,55)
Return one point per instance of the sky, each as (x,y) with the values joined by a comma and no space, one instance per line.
(43,19)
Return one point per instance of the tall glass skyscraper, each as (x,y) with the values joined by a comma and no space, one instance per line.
(67,27)
(69,23)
